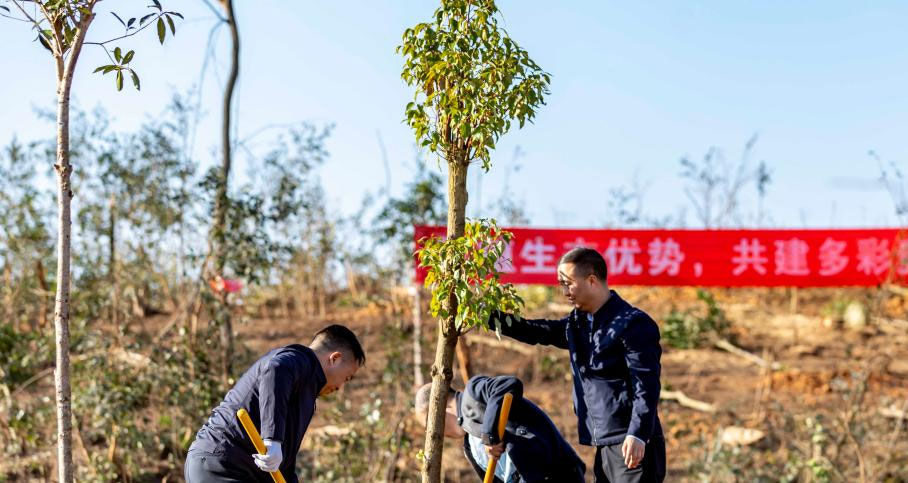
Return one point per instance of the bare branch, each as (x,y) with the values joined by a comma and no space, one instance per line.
(728,346)
(687,402)
(15,18)
(29,17)
(215,11)
(128,34)
(81,30)
(209,54)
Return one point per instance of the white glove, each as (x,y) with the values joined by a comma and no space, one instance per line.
(270,461)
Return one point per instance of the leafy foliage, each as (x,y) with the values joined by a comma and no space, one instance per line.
(472,80)
(25,239)
(689,329)
(63,24)
(465,268)
(260,215)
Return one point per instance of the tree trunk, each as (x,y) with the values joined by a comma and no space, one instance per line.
(447,332)
(65,69)
(221,202)
(9,301)
(464,363)
(112,267)
(457,199)
(351,280)
(42,282)
(457,218)
(417,336)
(226,337)
(61,302)
(441,380)
(218,232)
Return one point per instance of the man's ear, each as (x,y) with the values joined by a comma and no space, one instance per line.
(336,358)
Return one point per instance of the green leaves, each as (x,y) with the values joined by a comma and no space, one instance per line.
(120,65)
(162,17)
(162,30)
(145,19)
(129,24)
(135,79)
(472,81)
(120,60)
(162,27)
(44,42)
(466,268)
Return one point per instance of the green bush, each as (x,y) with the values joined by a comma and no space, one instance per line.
(22,355)
(695,328)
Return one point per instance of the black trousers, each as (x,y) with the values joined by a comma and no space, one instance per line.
(202,467)
(609,466)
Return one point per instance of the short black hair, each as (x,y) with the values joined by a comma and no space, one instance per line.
(586,261)
(336,337)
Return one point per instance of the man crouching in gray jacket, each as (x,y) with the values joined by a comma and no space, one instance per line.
(532,449)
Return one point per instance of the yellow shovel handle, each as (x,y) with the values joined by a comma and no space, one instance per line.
(502,424)
(253,434)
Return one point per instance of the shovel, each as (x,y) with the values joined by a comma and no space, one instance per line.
(502,423)
(253,434)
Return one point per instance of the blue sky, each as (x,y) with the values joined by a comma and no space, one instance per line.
(635,86)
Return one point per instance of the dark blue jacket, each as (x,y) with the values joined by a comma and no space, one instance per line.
(279,392)
(615,363)
(534,444)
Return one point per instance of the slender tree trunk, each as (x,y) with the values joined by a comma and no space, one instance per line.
(218,232)
(61,303)
(226,337)
(112,267)
(65,69)
(42,282)
(322,290)
(351,280)
(8,292)
(457,199)
(464,363)
(221,202)
(417,336)
(457,218)
(442,372)
(441,380)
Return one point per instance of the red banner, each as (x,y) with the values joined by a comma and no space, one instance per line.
(721,258)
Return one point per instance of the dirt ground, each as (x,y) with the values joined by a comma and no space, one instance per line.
(817,354)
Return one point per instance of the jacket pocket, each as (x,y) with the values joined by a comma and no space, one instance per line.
(613,409)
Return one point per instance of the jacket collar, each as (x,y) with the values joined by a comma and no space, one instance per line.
(320,378)
(609,310)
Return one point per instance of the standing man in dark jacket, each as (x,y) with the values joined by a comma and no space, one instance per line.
(614,352)
(279,392)
(532,450)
